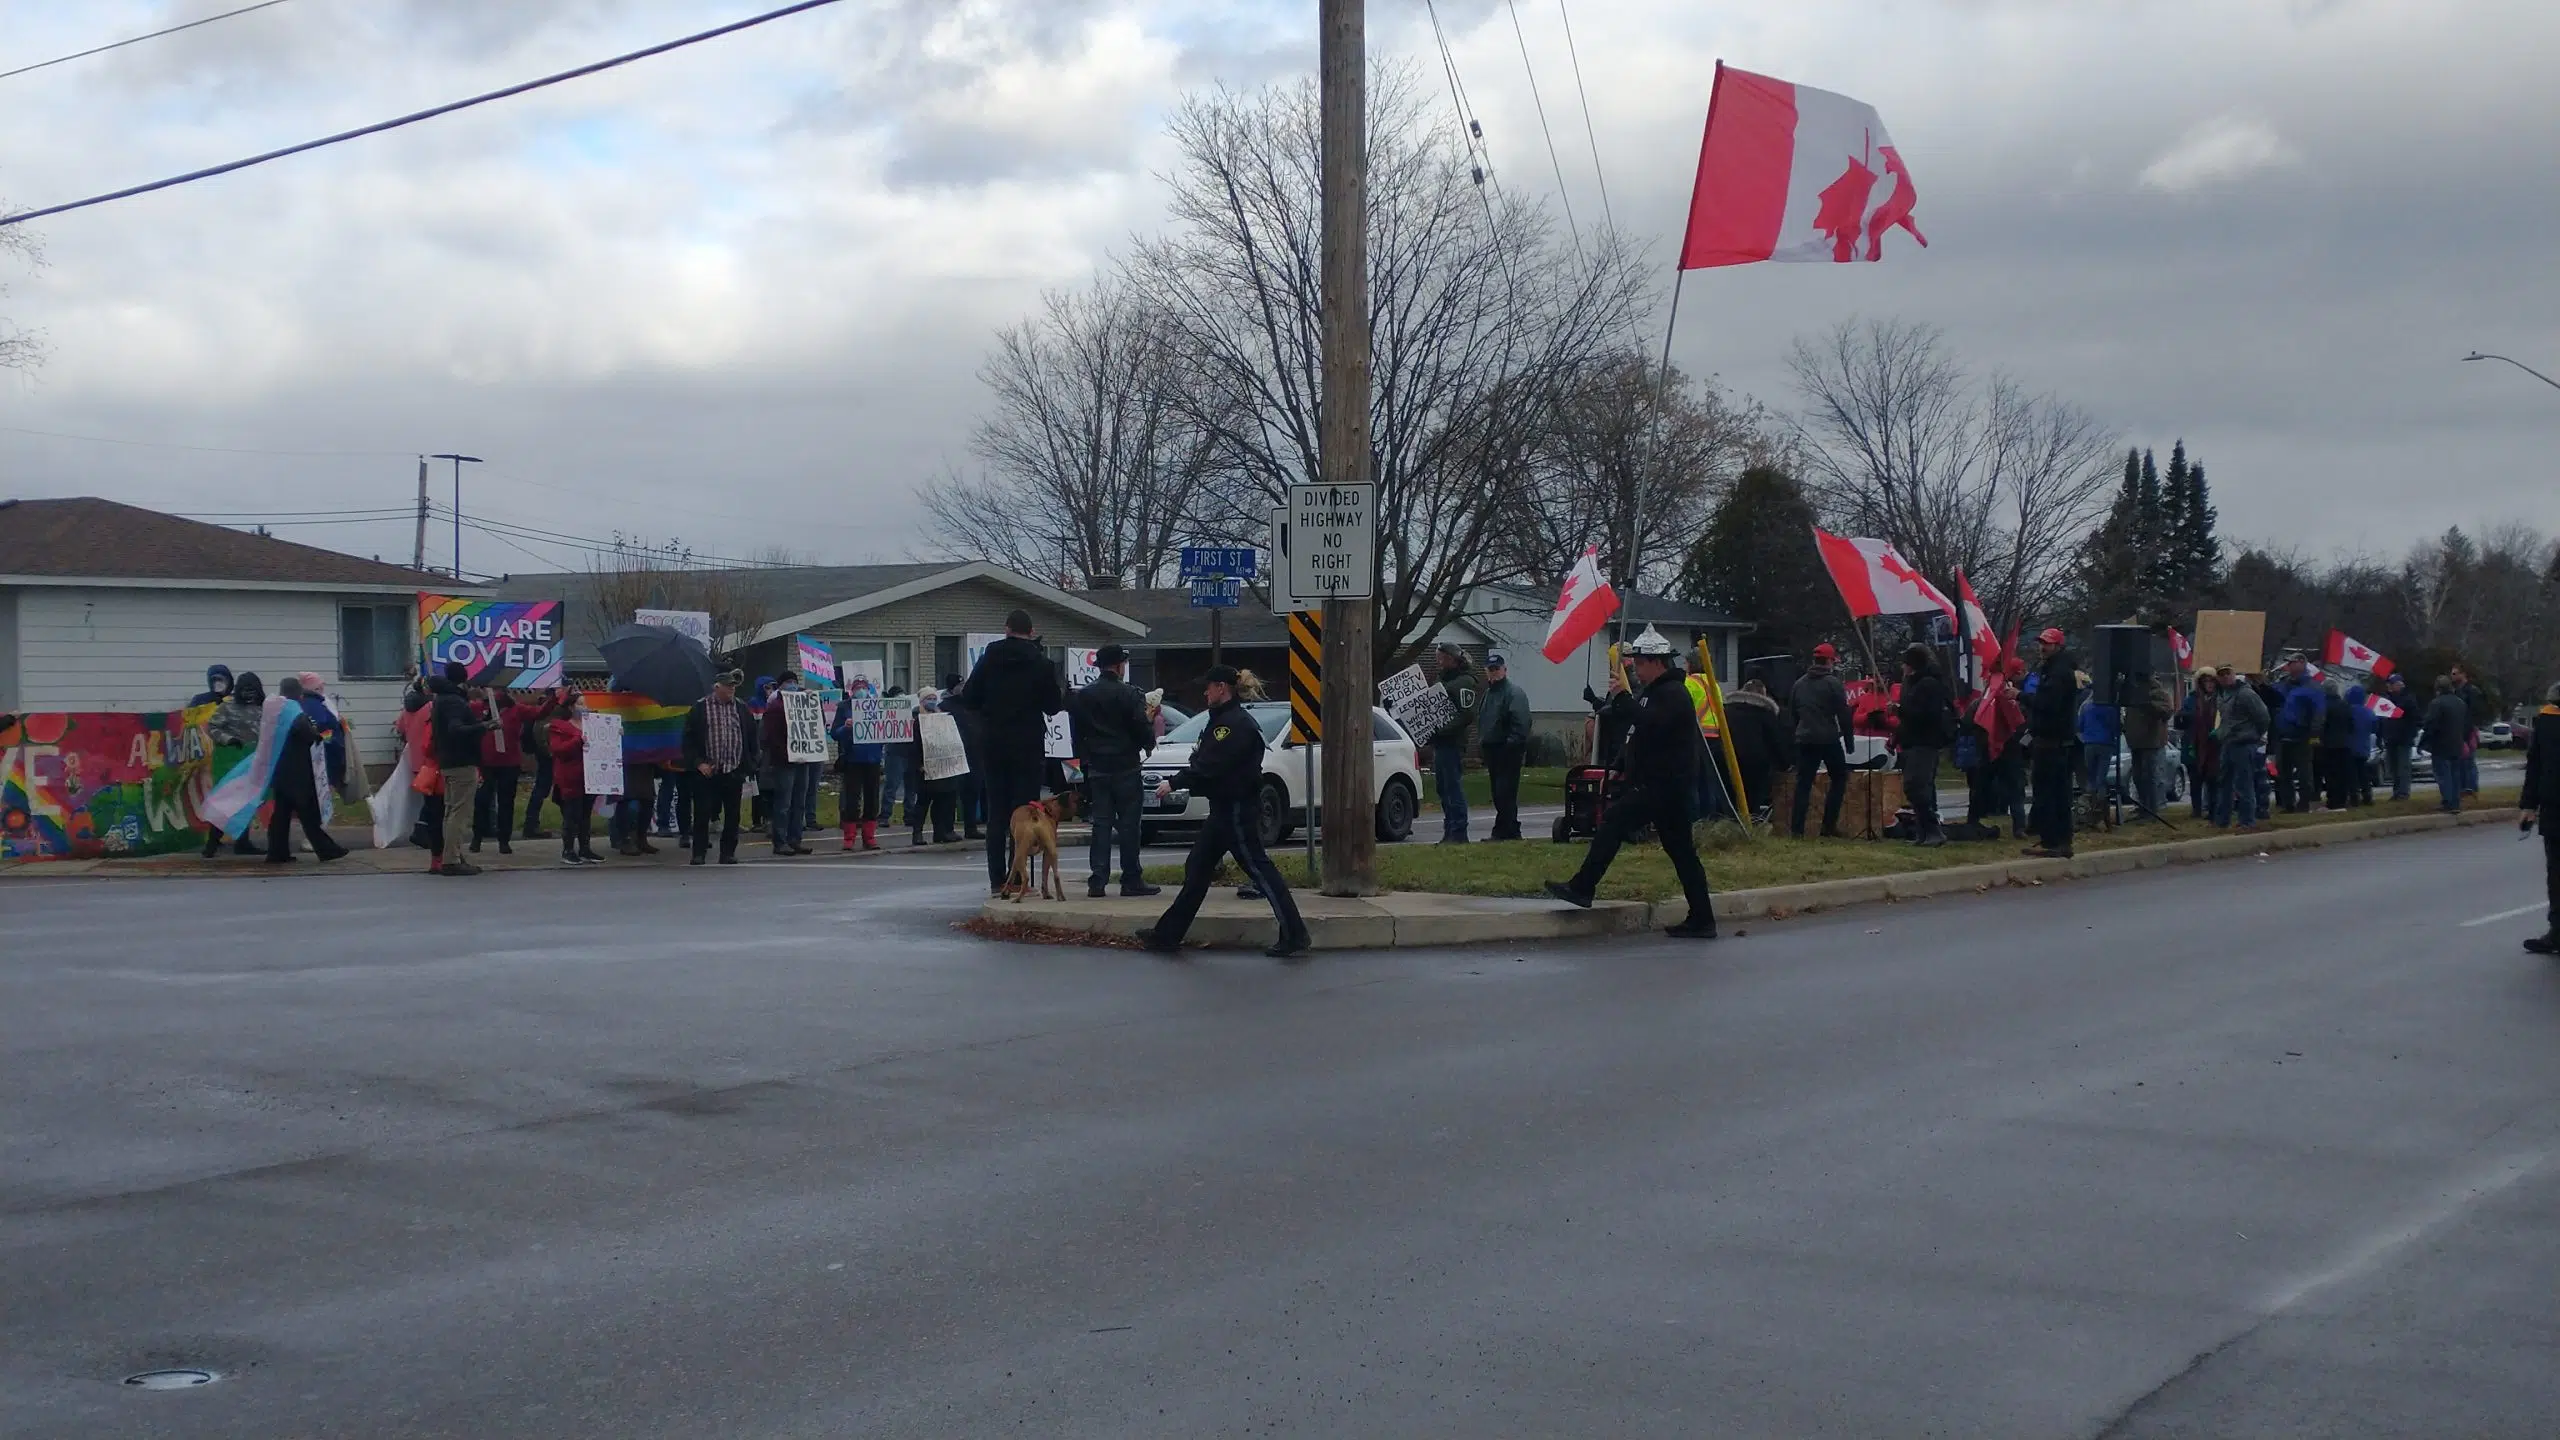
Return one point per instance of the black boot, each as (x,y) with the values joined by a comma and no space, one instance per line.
(1291,947)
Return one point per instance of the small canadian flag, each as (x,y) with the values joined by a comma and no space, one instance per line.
(2349,653)
(1585,606)
(2381,705)
(2183,648)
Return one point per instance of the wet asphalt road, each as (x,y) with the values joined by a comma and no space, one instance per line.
(2247,1149)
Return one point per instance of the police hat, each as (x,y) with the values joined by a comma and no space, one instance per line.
(1110,655)
(1219,675)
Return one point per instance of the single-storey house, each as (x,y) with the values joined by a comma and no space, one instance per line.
(106,606)
(1519,619)
(917,620)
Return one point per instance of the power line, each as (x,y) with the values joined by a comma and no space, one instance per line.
(136,40)
(412,119)
(1562,194)
(1607,216)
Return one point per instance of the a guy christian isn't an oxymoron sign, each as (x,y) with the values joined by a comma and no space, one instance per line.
(510,643)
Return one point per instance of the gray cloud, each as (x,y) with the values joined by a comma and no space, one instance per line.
(740,295)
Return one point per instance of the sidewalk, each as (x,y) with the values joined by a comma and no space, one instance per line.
(530,855)
(1402,920)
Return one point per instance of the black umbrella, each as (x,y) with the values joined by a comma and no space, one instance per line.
(666,665)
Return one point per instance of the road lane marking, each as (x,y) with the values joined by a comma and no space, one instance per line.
(2504,915)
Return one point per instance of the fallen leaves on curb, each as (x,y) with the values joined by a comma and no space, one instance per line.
(1031,932)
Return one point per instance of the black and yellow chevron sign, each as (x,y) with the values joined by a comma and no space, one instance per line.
(1306,675)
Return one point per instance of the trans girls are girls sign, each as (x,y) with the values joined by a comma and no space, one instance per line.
(514,644)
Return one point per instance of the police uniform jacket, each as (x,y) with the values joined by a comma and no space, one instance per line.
(1227,762)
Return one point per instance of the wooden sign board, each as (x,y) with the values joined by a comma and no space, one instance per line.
(2237,638)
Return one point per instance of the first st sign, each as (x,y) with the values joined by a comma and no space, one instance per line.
(1332,542)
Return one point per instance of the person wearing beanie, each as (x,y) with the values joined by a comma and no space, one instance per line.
(720,749)
(859,767)
(1226,769)
(2053,727)
(296,787)
(457,730)
(1113,737)
(1817,714)
(1502,737)
(1009,697)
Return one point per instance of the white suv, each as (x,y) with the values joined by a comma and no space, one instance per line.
(1283,808)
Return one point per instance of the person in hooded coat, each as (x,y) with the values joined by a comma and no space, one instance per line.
(1817,711)
(296,787)
(217,686)
(2339,757)
(235,721)
(2367,725)
(1760,742)
(416,731)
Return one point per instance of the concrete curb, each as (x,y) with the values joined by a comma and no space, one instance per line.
(1412,919)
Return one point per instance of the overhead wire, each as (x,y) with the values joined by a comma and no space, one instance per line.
(136,40)
(1563,195)
(428,114)
(1607,216)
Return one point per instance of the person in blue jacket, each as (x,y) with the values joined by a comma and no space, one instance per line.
(2298,720)
(2099,727)
(859,766)
(2360,779)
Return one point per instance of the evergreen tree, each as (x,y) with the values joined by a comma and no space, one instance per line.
(1755,559)
(2111,561)
(2199,547)
(2169,558)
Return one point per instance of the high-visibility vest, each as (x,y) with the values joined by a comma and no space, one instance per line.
(1703,700)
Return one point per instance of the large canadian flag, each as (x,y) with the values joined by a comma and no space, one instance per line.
(1875,579)
(1585,606)
(1788,172)
(1979,637)
(2348,653)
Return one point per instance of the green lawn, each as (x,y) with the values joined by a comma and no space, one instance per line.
(1737,862)
(1539,785)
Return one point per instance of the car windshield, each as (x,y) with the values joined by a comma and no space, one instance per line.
(1272,716)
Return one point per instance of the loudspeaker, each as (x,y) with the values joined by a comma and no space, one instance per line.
(2122,660)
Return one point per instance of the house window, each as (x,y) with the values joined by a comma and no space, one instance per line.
(947,654)
(376,642)
(897,659)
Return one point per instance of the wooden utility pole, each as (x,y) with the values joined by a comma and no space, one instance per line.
(418,552)
(1350,790)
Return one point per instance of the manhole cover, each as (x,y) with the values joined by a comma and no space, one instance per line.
(169,1379)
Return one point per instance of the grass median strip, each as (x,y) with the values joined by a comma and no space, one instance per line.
(1736,862)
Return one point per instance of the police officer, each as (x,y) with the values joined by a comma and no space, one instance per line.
(1660,765)
(1226,768)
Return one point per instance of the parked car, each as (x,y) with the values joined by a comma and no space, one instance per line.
(1284,804)
(2173,776)
(2499,736)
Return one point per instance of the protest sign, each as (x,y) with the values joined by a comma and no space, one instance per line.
(871,720)
(804,726)
(815,659)
(1417,702)
(939,735)
(510,643)
(652,734)
(875,671)
(975,646)
(1060,742)
(1083,668)
(603,732)
(2236,638)
(696,623)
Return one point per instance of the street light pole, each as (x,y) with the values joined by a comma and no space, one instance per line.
(1350,836)
(458,462)
(2529,370)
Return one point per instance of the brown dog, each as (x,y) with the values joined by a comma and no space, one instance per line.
(1035,844)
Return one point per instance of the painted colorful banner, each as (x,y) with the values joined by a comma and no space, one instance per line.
(510,643)
(815,659)
(652,734)
(84,785)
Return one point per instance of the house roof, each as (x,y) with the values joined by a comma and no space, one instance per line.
(800,597)
(1635,608)
(1171,623)
(84,539)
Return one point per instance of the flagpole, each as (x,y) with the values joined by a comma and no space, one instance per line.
(1653,426)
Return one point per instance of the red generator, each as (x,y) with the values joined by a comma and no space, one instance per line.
(1588,792)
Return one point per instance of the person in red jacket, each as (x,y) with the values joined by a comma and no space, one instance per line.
(493,810)
(568,742)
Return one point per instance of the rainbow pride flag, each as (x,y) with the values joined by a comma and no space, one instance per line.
(652,734)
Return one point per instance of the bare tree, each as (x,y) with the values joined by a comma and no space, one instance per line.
(637,575)
(1479,317)
(1900,443)
(20,348)
(1092,460)
(1606,472)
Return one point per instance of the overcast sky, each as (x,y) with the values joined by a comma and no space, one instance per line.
(739,294)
